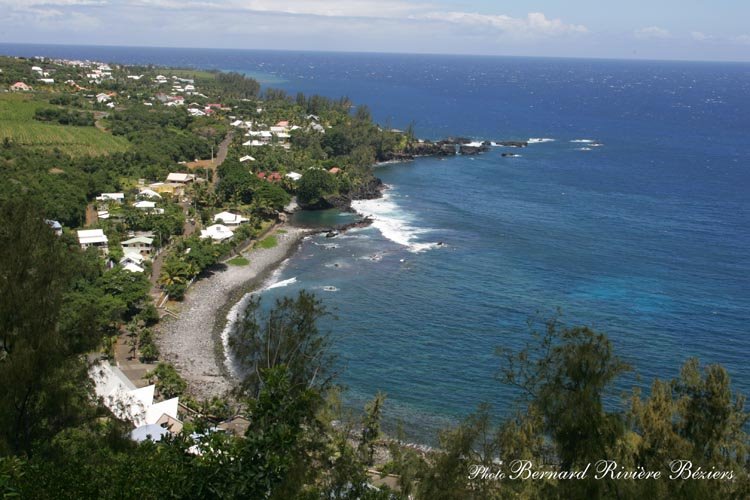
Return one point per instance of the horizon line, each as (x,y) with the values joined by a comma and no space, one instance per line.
(375,52)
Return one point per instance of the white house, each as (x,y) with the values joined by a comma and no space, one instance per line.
(149,193)
(145,205)
(133,268)
(246,158)
(126,401)
(217,232)
(141,245)
(100,98)
(93,238)
(295,176)
(48,81)
(132,258)
(230,219)
(254,143)
(56,226)
(117,197)
(180,177)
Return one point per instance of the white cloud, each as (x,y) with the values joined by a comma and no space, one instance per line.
(699,36)
(651,33)
(322,8)
(535,24)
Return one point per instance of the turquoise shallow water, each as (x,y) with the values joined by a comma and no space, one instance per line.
(646,237)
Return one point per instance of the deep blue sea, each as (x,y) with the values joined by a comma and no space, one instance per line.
(646,237)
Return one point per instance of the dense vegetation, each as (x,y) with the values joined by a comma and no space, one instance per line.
(57,444)
(62,306)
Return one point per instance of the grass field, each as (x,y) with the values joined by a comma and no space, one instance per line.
(238,261)
(17,123)
(268,242)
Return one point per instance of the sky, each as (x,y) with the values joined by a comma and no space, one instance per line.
(653,29)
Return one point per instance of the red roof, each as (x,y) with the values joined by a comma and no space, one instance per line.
(214,105)
(274,177)
(283,123)
(261,175)
(334,170)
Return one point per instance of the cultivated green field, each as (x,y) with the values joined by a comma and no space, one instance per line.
(17,123)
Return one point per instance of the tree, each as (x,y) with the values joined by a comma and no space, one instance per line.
(43,380)
(314,185)
(371,428)
(286,335)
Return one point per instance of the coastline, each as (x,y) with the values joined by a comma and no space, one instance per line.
(192,341)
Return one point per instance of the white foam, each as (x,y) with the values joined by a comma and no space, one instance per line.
(583,141)
(584,149)
(474,144)
(330,288)
(234,315)
(392,222)
(280,284)
(539,140)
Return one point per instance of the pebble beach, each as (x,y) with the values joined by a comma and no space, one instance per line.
(191,341)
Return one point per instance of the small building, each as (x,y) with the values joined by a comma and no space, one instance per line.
(295,176)
(56,226)
(48,81)
(217,232)
(132,258)
(142,245)
(181,178)
(145,205)
(246,158)
(93,238)
(100,98)
(133,268)
(334,170)
(230,219)
(116,197)
(20,87)
(148,194)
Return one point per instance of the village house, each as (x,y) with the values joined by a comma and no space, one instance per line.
(148,194)
(180,177)
(295,176)
(56,226)
(230,219)
(142,245)
(93,238)
(116,197)
(136,405)
(246,158)
(20,87)
(217,232)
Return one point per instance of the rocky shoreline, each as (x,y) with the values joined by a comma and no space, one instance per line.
(192,340)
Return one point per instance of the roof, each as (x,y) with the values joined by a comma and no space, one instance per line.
(247,158)
(295,176)
(230,218)
(133,257)
(139,239)
(144,204)
(91,236)
(111,196)
(217,232)
(334,170)
(149,193)
(180,177)
(133,268)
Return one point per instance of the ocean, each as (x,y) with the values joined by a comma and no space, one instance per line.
(644,237)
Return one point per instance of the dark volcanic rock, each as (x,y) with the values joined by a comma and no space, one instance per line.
(474,150)
(514,144)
